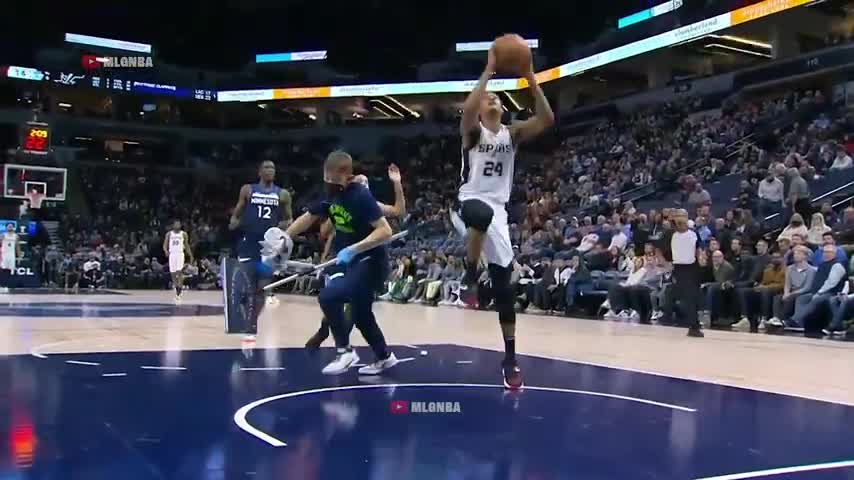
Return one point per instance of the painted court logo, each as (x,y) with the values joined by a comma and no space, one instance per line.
(94,62)
(403,407)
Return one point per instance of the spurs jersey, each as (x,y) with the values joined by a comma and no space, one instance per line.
(487,167)
(10,251)
(176,242)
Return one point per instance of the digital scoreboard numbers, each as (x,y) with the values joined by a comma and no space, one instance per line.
(36,139)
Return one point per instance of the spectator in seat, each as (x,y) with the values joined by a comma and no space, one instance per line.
(722,287)
(631,300)
(579,281)
(829,280)
(749,230)
(842,160)
(451,277)
(817,230)
(542,291)
(92,276)
(799,278)
(845,229)
(619,240)
(758,300)
(830,216)
(723,234)
(698,197)
(828,239)
(770,193)
(841,310)
(795,226)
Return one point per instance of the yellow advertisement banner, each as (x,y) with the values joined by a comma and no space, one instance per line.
(304,92)
(763,9)
(542,77)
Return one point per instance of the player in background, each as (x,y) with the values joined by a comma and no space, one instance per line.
(488,162)
(260,206)
(327,229)
(176,243)
(8,257)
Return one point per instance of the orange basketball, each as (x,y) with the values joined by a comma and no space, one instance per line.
(512,54)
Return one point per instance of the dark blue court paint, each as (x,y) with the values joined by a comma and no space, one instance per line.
(178,424)
(102,310)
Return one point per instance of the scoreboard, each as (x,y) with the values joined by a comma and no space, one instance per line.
(36,138)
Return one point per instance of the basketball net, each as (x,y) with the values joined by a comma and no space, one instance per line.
(35,198)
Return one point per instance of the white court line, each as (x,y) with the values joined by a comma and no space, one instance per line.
(240,414)
(783,471)
(464,362)
(688,378)
(114,374)
(79,362)
(260,369)
(149,367)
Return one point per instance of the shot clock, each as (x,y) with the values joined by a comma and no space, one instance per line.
(36,138)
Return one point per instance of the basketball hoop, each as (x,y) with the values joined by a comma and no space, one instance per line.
(35,198)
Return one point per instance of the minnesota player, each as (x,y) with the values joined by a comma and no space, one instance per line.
(11,251)
(488,158)
(260,206)
(362,231)
(332,246)
(176,243)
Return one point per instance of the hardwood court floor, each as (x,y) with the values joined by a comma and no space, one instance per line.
(147,321)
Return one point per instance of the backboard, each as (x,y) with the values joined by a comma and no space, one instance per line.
(20,179)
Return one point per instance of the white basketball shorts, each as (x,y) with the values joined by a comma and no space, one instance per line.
(497,248)
(176,263)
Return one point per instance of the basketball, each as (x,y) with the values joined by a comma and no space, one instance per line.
(512,54)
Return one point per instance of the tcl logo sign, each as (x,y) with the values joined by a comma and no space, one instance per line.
(23,272)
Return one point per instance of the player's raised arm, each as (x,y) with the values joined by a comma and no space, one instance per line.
(242,199)
(399,208)
(543,117)
(286,208)
(471,107)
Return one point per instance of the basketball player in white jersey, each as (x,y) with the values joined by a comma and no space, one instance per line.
(489,154)
(175,244)
(11,250)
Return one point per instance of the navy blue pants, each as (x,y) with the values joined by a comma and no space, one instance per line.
(358,287)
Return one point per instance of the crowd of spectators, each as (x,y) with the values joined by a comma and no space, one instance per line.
(578,236)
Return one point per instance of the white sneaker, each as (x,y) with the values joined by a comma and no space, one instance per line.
(625,316)
(342,363)
(743,324)
(4,289)
(460,303)
(634,316)
(272,301)
(177,299)
(445,303)
(775,322)
(379,366)
(385,297)
(611,315)
(534,311)
(656,315)
(762,323)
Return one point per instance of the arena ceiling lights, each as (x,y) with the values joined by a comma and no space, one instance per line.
(666,39)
